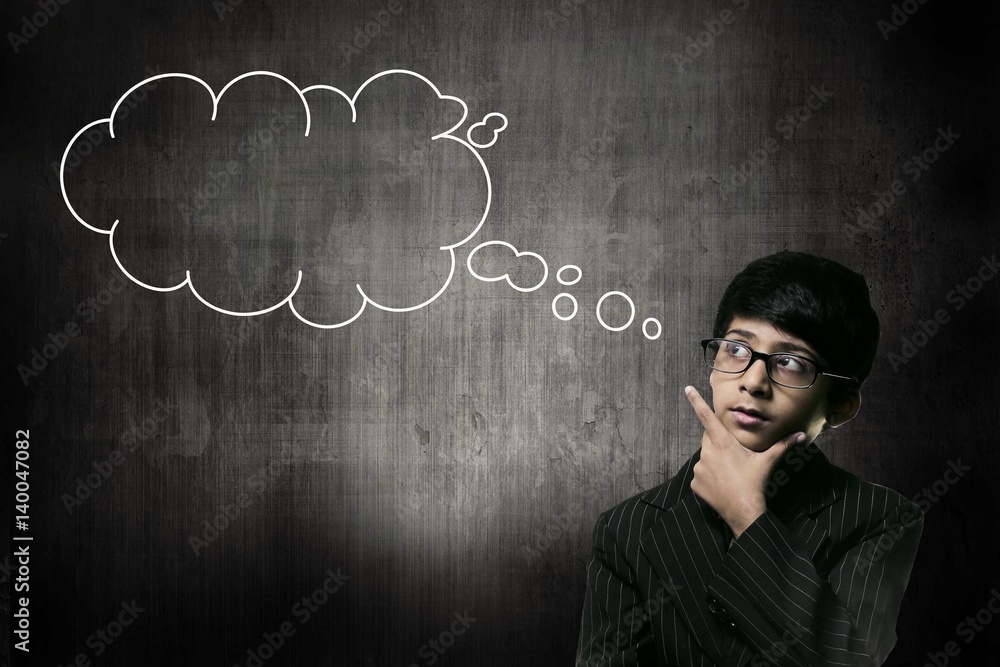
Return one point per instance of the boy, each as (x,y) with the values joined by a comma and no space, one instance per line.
(759,551)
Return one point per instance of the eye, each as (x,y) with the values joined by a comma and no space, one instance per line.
(736,350)
(791,365)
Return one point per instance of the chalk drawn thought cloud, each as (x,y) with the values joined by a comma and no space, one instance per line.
(266,194)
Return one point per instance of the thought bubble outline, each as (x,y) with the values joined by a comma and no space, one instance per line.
(659,328)
(496,132)
(572,299)
(447,134)
(506,276)
(569,283)
(600,302)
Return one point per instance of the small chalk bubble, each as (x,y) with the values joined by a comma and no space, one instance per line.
(484,123)
(555,309)
(572,267)
(659,328)
(601,319)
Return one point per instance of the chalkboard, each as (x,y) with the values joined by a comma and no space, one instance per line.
(334,326)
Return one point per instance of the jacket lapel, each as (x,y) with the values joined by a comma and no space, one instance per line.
(814,486)
(688,542)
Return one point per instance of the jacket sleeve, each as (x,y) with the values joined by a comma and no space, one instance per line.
(614,631)
(795,617)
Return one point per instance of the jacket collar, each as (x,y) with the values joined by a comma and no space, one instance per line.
(688,541)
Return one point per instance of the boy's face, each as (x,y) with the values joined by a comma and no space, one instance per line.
(785,410)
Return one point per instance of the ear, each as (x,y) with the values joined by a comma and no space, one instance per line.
(840,412)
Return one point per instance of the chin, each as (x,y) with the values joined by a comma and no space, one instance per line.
(755,445)
(755,440)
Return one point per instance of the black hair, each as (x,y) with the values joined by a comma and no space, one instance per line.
(818,300)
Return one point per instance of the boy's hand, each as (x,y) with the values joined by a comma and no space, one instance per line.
(728,476)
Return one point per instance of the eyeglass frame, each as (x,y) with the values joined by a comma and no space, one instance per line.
(755,355)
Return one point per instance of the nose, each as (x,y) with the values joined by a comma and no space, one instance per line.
(755,378)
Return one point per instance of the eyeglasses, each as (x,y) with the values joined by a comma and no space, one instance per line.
(784,368)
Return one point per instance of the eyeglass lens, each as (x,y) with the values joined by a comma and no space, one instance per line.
(785,369)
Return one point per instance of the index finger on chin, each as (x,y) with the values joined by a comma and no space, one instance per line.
(705,415)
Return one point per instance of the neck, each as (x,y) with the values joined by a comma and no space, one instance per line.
(790,468)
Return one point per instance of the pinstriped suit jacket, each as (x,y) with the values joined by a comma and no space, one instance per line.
(816,580)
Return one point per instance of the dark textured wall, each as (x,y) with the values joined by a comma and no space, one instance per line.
(453,460)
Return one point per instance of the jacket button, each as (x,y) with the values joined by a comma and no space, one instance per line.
(720,610)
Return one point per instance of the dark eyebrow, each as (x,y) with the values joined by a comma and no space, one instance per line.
(782,345)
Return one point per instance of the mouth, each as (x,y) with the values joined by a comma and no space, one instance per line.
(746,416)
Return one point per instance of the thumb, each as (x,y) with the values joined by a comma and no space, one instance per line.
(778,449)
